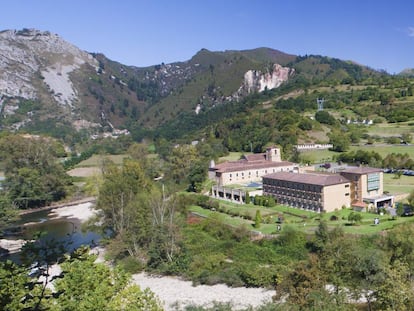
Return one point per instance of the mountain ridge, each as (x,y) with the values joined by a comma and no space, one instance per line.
(48,84)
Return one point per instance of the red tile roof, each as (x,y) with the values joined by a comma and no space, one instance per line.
(359,204)
(242,165)
(311,179)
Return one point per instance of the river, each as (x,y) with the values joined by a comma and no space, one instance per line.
(63,224)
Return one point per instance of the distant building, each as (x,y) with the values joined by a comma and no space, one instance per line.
(250,168)
(355,187)
(313,146)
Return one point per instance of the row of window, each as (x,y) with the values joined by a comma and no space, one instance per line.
(293,185)
(305,205)
(294,193)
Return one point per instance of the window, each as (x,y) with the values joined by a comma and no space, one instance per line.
(373,181)
(347,194)
(347,186)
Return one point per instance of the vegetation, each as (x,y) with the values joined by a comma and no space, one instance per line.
(82,285)
(33,176)
(144,202)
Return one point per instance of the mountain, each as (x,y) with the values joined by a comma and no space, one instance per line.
(48,85)
(409,72)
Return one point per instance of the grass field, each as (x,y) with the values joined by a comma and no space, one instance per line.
(390,129)
(233,156)
(97,160)
(404,184)
(303,220)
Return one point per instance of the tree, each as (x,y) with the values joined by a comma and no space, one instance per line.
(165,233)
(34,177)
(8,211)
(354,217)
(197,175)
(257,219)
(303,286)
(132,298)
(247,199)
(339,140)
(82,285)
(395,291)
(86,285)
(410,198)
(120,199)
(406,137)
(180,162)
(322,116)
(14,287)
(367,272)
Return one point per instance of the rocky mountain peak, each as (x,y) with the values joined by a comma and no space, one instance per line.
(29,52)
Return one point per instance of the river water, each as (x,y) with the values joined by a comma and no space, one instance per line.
(65,229)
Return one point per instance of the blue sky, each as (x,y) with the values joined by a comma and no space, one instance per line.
(376,33)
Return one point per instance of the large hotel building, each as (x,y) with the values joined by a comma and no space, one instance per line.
(356,187)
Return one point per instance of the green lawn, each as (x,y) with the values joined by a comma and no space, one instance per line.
(390,129)
(302,220)
(404,184)
(97,160)
(233,156)
(318,156)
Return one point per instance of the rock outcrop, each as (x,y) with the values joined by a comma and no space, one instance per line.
(257,81)
(27,53)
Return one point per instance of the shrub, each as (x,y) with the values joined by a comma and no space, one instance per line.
(257,219)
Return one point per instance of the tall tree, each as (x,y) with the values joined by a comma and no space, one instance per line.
(121,199)
(34,177)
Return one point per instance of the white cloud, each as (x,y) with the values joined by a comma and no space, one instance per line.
(411,31)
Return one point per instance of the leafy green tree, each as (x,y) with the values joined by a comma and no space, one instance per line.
(410,198)
(406,137)
(8,211)
(324,117)
(367,272)
(247,199)
(180,163)
(83,284)
(87,285)
(132,298)
(166,240)
(339,140)
(257,219)
(354,217)
(120,199)
(303,286)
(14,287)
(197,175)
(395,291)
(34,177)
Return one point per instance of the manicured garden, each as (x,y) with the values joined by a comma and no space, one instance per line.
(244,216)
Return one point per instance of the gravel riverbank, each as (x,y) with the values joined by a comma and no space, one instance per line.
(174,291)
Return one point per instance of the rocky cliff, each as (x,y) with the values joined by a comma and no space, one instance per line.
(27,53)
(257,81)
